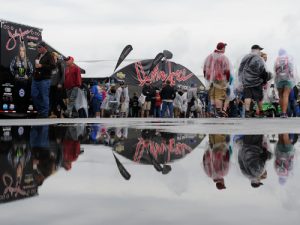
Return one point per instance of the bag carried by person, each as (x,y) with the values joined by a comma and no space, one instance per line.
(282,67)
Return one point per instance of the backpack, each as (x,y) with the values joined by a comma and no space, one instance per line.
(113,103)
(282,67)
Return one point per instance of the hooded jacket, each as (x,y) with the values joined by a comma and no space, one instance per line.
(252,71)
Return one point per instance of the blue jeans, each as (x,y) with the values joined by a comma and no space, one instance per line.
(72,95)
(40,96)
(157,112)
(39,136)
(165,106)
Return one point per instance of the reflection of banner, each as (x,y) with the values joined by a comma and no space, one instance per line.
(169,151)
(16,165)
(13,183)
(163,146)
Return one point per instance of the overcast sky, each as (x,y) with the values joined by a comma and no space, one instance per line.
(91,29)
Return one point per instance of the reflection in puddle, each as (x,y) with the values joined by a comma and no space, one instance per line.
(31,154)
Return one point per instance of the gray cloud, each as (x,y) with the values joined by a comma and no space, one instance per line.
(93,29)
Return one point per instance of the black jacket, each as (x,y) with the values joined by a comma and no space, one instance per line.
(149,92)
(168,93)
(48,64)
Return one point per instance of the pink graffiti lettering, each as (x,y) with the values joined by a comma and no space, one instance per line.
(12,42)
(157,75)
(8,182)
(156,149)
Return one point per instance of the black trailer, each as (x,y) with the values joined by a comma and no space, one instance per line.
(18,49)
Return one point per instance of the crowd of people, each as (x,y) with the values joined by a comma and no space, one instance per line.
(252,90)
(244,93)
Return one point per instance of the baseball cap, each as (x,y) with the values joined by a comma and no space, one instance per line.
(256,47)
(42,44)
(221,45)
(256,183)
(69,58)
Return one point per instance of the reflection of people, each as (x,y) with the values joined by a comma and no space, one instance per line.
(252,158)
(284,156)
(216,159)
(43,161)
(71,145)
(21,69)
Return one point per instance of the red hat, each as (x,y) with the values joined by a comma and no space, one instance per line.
(221,45)
(69,58)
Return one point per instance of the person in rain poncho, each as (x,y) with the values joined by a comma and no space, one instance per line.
(284,79)
(178,103)
(259,113)
(123,99)
(217,72)
(191,97)
(253,75)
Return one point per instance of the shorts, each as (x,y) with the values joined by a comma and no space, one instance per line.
(217,93)
(218,138)
(255,93)
(96,104)
(284,84)
(147,106)
(284,148)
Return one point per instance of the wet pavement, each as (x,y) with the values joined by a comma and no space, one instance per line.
(147,173)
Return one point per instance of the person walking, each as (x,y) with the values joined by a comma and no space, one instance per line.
(72,85)
(284,79)
(253,75)
(216,71)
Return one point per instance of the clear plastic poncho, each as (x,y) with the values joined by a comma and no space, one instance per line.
(284,68)
(217,68)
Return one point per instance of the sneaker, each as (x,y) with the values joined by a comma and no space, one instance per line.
(221,113)
(260,115)
(67,115)
(284,115)
(40,116)
(248,114)
(52,116)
